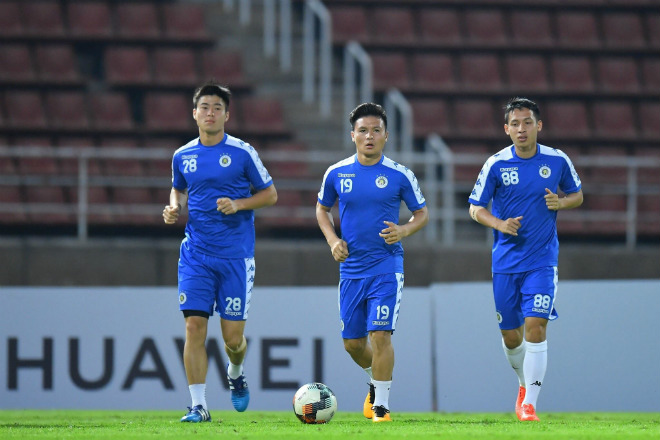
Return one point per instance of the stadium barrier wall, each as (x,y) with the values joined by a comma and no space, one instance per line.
(120,348)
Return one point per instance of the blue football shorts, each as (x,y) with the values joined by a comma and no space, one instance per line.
(207,283)
(369,304)
(519,295)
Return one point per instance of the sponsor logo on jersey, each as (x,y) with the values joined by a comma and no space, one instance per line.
(225,160)
(189,156)
(509,169)
(232,313)
(182,297)
(381,181)
(545,171)
(345,175)
(537,310)
(380,322)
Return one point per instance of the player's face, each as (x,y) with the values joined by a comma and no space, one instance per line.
(369,135)
(523,129)
(211,114)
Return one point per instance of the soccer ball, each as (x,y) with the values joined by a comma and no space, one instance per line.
(314,403)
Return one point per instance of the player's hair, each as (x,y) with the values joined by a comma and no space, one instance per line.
(367,109)
(212,88)
(518,103)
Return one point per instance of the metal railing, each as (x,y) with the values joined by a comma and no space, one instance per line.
(356,91)
(316,17)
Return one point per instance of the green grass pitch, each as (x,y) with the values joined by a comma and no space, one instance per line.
(91,425)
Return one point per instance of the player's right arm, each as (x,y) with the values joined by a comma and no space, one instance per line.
(338,247)
(178,201)
(484,217)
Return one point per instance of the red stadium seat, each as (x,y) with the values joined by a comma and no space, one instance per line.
(648,175)
(480,72)
(224,67)
(185,22)
(68,110)
(138,197)
(649,117)
(440,26)
(468,173)
(527,72)
(36,165)
(567,118)
(618,75)
(614,119)
(572,73)
(292,168)
(606,175)
(262,115)
(111,111)
(90,19)
(476,118)
(390,70)
(43,19)
(11,22)
(577,29)
(122,167)
(127,66)
(392,25)
(430,116)
(16,62)
(485,27)
(433,72)
(651,74)
(349,23)
(43,196)
(25,109)
(97,200)
(532,28)
(70,166)
(57,64)
(622,29)
(138,20)
(14,195)
(175,66)
(167,111)
(653,26)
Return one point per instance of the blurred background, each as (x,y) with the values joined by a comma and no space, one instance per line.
(95,96)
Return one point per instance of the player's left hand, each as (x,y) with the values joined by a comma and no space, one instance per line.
(392,233)
(226,205)
(551,200)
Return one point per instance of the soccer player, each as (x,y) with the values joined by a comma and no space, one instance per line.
(370,188)
(213,175)
(523,181)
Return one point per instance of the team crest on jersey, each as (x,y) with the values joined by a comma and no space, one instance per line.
(381,181)
(545,171)
(182,297)
(225,160)
(499,317)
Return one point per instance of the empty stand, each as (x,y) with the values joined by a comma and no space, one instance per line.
(392,26)
(14,195)
(25,110)
(618,74)
(111,111)
(224,67)
(614,119)
(127,66)
(138,20)
(648,175)
(532,28)
(577,29)
(11,23)
(67,110)
(349,23)
(294,167)
(623,30)
(175,67)
(167,111)
(89,19)
(48,195)
(480,72)
(527,72)
(439,27)
(122,167)
(653,26)
(596,176)
(651,74)
(71,166)
(649,117)
(36,165)
(57,64)
(185,21)
(16,62)
(262,116)
(485,27)
(476,118)
(390,70)
(97,204)
(433,72)
(572,73)
(139,197)
(469,173)
(567,119)
(430,116)
(43,19)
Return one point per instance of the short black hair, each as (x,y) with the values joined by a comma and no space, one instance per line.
(518,103)
(211,88)
(367,109)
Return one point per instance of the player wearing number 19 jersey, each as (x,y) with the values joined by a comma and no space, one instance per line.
(522,181)
(370,188)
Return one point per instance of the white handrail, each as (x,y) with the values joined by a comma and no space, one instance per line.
(400,117)
(316,11)
(354,56)
(270,34)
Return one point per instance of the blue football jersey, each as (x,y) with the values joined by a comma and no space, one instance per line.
(227,169)
(369,195)
(517,187)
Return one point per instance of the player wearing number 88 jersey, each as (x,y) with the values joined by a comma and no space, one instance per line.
(370,187)
(522,181)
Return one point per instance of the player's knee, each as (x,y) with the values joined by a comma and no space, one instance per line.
(354,346)
(380,340)
(235,343)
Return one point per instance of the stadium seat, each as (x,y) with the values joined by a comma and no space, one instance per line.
(649,117)
(571,73)
(141,197)
(67,110)
(122,167)
(467,174)
(89,20)
(476,118)
(43,196)
(349,23)
(224,67)
(653,26)
(485,27)
(127,66)
(526,72)
(175,67)
(577,29)
(36,165)
(430,116)
(624,30)
(111,111)
(11,23)
(295,168)
(43,19)
(439,26)
(262,116)
(618,74)
(648,175)
(185,21)
(98,204)
(617,174)
(480,72)
(25,110)
(567,119)
(614,120)
(70,166)
(390,70)
(651,74)
(16,62)
(12,194)
(648,208)
(392,26)
(57,64)
(532,28)
(138,20)
(167,111)
(433,72)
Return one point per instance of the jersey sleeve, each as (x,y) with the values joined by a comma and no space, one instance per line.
(411,192)
(328,194)
(257,172)
(178,180)
(484,187)
(570,181)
